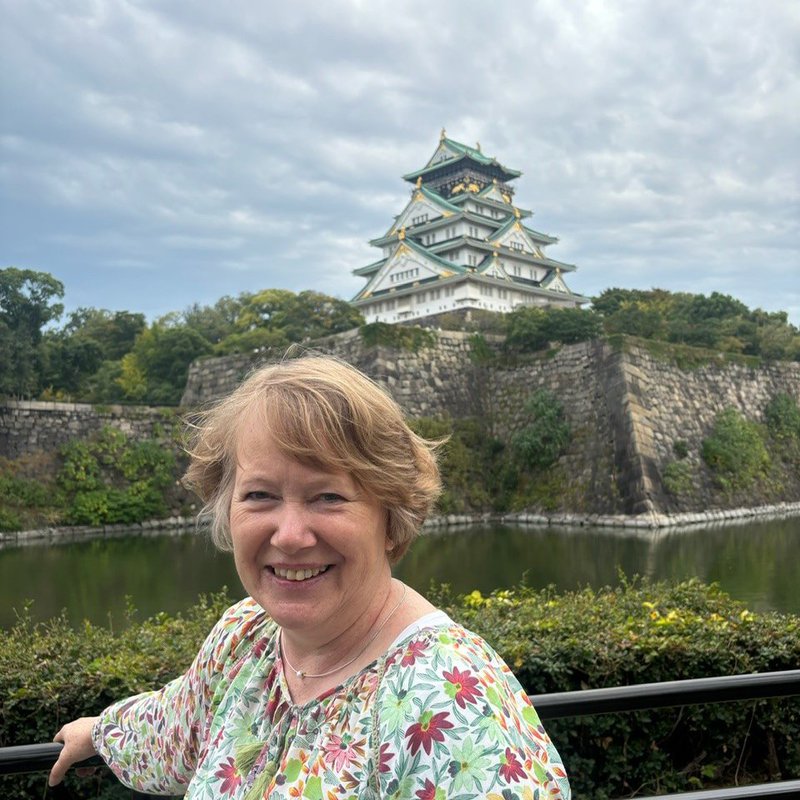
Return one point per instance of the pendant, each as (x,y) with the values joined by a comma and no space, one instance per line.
(299,673)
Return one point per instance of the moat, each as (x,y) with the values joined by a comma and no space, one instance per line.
(757,563)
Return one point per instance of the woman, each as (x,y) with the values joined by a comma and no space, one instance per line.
(332,679)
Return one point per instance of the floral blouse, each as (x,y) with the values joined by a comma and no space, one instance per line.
(439,716)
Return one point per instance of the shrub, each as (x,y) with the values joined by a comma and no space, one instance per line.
(545,438)
(637,633)
(530,329)
(735,451)
(782,416)
(680,448)
(112,479)
(677,477)
(403,337)
(21,497)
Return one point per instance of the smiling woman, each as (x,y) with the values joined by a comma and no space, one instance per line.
(332,679)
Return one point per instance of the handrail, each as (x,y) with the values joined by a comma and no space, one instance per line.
(728,688)
(757,791)
(36,758)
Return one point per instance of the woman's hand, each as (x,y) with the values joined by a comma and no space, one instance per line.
(78,745)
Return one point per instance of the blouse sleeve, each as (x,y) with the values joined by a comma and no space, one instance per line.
(153,741)
(455,723)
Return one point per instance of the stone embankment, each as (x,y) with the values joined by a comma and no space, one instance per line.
(653,523)
(631,410)
(32,426)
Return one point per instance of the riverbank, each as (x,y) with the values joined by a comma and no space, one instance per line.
(639,522)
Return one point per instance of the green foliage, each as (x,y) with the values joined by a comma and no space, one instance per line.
(468,463)
(714,322)
(299,317)
(403,337)
(641,633)
(22,498)
(637,633)
(51,673)
(159,363)
(27,304)
(680,448)
(482,473)
(531,329)
(480,351)
(91,338)
(546,436)
(735,451)
(113,479)
(782,416)
(678,477)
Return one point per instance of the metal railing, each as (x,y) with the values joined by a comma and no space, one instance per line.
(619,699)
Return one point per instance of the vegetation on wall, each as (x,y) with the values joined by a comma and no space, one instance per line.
(636,633)
(402,337)
(735,451)
(483,473)
(782,417)
(113,479)
(107,479)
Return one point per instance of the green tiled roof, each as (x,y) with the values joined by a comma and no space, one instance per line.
(540,237)
(462,151)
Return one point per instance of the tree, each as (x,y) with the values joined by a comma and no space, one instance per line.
(530,329)
(162,355)
(297,317)
(27,304)
(91,337)
(215,322)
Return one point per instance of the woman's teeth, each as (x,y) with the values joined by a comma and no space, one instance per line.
(298,574)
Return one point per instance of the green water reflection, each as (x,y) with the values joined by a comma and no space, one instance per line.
(758,563)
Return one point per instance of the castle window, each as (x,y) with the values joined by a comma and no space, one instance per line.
(419,219)
(404,275)
(517,246)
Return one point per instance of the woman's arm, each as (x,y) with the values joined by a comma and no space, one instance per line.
(153,741)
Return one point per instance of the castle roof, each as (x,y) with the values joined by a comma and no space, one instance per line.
(450,152)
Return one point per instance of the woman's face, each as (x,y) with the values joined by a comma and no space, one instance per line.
(310,546)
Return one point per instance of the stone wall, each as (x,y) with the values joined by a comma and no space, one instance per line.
(432,382)
(32,426)
(626,408)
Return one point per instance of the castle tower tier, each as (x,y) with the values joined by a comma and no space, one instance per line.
(461,244)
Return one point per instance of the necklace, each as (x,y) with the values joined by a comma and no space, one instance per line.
(302,674)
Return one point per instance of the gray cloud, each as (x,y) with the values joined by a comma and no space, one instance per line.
(157,154)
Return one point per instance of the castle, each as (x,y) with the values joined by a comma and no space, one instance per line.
(461,244)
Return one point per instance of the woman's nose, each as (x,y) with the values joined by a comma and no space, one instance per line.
(293,531)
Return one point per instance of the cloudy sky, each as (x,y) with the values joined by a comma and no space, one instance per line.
(156,154)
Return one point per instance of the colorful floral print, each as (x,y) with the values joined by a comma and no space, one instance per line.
(440,716)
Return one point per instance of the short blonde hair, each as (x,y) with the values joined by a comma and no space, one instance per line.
(325,413)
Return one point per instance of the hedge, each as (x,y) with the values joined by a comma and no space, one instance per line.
(636,633)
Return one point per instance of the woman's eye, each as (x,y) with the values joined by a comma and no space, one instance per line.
(331,497)
(259,496)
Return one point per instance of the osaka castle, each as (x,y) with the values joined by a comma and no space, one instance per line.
(461,243)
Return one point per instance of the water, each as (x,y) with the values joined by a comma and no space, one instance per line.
(758,563)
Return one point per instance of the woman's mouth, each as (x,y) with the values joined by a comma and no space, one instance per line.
(298,574)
